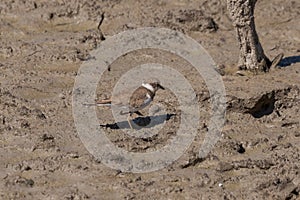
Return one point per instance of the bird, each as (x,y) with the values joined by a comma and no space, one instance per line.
(139,99)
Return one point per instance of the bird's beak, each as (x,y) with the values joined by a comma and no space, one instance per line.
(161,87)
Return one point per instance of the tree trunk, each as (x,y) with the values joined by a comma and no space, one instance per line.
(252,55)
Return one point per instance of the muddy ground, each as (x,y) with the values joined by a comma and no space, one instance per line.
(42,45)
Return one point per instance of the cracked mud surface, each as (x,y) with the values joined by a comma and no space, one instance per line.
(43,44)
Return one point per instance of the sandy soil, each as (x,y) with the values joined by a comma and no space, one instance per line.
(42,45)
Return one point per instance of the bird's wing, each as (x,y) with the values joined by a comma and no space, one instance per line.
(139,100)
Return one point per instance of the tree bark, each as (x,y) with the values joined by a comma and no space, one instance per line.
(252,55)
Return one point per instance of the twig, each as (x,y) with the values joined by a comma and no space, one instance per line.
(99,27)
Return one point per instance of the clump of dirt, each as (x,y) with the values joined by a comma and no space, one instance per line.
(191,20)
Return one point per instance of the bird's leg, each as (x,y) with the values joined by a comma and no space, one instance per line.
(128,119)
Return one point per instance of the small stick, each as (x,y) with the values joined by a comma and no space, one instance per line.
(99,27)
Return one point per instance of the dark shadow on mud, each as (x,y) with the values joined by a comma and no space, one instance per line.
(140,122)
(287,61)
(264,106)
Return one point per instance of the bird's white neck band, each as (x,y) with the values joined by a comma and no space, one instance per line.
(148,86)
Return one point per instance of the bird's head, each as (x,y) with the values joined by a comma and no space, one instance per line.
(156,86)
(153,85)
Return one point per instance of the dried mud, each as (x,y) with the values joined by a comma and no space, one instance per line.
(43,44)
